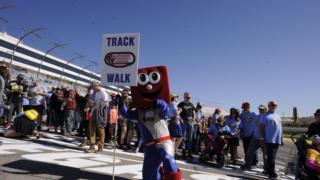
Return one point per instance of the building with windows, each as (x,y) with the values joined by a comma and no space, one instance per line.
(54,71)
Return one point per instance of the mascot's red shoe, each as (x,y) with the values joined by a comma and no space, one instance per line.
(171,176)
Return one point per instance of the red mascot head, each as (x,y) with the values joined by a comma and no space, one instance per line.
(153,83)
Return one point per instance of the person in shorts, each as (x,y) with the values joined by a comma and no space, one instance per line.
(175,122)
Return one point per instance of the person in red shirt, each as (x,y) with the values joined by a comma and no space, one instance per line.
(86,122)
(70,108)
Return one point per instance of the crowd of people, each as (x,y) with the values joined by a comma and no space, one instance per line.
(68,112)
(98,117)
(220,134)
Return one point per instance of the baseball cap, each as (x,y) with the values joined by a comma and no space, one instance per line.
(217,110)
(273,103)
(262,107)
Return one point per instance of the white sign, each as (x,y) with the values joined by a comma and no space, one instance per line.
(120,59)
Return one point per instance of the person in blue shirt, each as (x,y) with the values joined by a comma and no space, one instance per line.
(271,136)
(247,128)
(255,142)
(217,134)
(233,121)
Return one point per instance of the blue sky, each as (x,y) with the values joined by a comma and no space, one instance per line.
(223,51)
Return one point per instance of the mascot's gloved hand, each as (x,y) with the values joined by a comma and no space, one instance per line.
(163,106)
(132,115)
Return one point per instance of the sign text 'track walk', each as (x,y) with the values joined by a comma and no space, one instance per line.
(120,59)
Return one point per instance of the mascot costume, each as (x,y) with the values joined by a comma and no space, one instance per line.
(151,98)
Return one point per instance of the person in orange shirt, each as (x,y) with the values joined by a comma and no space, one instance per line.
(113,118)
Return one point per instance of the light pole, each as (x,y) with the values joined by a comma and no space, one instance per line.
(78,56)
(33,32)
(90,65)
(45,55)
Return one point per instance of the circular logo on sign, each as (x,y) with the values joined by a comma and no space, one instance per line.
(119,59)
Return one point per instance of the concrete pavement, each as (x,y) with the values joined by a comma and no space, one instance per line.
(56,157)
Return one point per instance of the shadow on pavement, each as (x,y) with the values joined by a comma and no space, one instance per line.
(66,173)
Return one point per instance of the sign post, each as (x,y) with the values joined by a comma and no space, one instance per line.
(120,60)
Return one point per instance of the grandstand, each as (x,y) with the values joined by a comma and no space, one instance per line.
(27,61)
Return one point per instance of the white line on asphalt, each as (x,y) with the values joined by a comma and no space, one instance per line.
(136,155)
(136,161)
(75,145)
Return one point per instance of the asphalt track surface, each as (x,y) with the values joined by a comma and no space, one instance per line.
(56,157)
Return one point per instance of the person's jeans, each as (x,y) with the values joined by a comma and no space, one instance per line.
(272,150)
(14,108)
(77,119)
(252,151)
(69,120)
(187,129)
(246,144)
(196,139)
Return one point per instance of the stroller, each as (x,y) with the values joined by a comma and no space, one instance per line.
(302,172)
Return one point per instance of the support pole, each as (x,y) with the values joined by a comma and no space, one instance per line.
(115,142)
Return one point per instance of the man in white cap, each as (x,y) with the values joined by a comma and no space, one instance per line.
(99,117)
(271,135)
